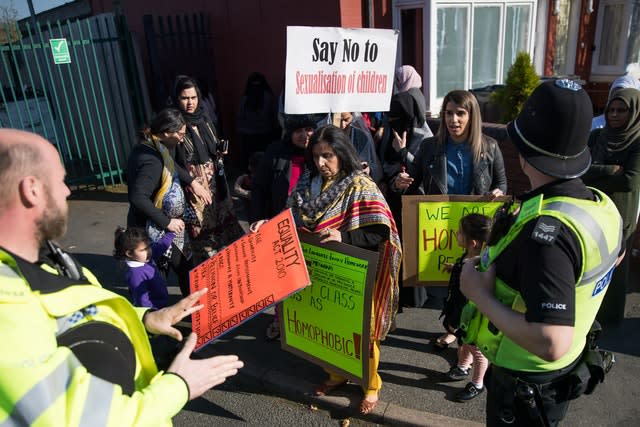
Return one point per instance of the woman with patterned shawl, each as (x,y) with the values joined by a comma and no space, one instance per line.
(337,200)
(156,200)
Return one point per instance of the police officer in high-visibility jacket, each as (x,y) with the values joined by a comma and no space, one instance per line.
(537,287)
(74,353)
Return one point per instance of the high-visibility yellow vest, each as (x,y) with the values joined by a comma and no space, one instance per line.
(598,227)
(43,384)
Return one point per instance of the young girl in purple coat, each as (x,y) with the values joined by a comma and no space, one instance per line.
(147,285)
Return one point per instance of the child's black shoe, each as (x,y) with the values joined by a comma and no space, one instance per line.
(457,373)
(470,392)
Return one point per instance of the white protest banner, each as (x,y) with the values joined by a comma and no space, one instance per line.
(339,69)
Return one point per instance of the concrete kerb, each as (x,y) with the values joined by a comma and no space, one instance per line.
(385,413)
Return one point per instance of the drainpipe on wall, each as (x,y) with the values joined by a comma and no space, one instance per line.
(368,14)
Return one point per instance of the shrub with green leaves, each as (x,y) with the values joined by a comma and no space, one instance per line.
(521,81)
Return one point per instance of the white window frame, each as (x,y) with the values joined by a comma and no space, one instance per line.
(429,16)
(619,67)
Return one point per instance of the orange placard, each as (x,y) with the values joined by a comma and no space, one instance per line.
(248,276)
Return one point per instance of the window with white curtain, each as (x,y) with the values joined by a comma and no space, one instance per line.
(451,36)
(468,44)
(610,41)
(517,35)
(612,32)
(486,39)
(476,42)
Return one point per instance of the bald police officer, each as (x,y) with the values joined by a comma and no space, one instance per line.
(74,353)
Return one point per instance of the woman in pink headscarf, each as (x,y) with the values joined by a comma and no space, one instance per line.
(408,80)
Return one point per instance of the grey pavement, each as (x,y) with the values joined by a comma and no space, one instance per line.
(415,390)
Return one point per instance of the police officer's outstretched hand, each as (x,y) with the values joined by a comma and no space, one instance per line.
(202,374)
(161,322)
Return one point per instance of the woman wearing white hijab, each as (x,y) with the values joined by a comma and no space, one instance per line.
(630,80)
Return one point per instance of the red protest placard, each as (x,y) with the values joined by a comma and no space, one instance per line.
(246,277)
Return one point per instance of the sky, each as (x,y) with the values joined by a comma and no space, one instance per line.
(39,5)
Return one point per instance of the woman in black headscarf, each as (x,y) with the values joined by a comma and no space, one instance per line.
(406,124)
(213,226)
(615,169)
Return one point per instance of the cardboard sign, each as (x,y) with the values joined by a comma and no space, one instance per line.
(339,69)
(248,276)
(328,323)
(429,226)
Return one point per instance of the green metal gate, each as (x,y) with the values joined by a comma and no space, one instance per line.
(91,107)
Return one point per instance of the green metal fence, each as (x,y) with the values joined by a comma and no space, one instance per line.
(88,103)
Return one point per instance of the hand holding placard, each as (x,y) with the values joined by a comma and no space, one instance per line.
(328,322)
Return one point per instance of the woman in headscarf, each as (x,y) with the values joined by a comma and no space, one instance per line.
(337,200)
(277,176)
(213,226)
(615,169)
(407,80)
(630,80)
(156,199)
(360,137)
(403,135)
(405,121)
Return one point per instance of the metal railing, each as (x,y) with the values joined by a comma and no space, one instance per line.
(91,107)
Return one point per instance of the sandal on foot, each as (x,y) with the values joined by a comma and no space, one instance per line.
(367,406)
(326,387)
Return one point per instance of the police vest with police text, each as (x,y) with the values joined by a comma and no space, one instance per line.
(44,383)
(598,227)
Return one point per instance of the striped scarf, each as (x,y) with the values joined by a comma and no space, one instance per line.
(352,202)
(167,170)
(174,205)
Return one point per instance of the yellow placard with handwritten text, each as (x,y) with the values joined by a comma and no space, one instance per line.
(438,222)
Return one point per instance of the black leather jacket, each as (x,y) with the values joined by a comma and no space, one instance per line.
(429,169)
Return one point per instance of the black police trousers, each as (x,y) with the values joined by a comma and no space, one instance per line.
(527,399)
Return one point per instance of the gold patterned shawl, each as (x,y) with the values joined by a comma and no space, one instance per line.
(360,203)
